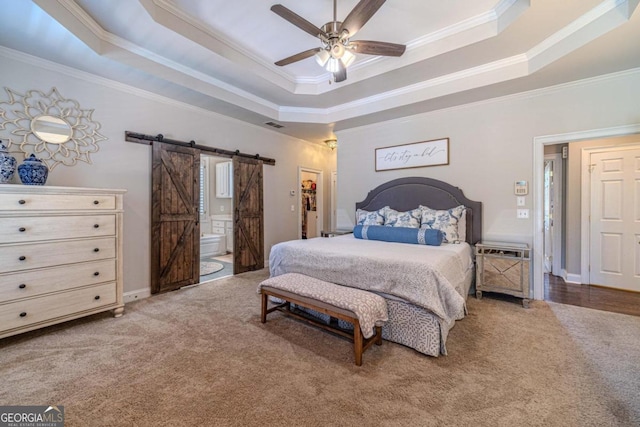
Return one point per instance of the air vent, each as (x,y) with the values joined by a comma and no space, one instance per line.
(274,125)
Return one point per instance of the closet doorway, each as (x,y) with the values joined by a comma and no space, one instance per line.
(310,218)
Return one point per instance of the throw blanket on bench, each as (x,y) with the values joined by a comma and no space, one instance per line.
(369,308)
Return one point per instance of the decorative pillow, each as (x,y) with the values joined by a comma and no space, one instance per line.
(445,221)
(409,219)
(417,236)
(462,226)
(371,218)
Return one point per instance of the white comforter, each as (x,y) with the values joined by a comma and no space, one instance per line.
(427,276)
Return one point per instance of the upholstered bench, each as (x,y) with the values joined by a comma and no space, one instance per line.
(365,310)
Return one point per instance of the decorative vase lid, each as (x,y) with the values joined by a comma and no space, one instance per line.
(33,158)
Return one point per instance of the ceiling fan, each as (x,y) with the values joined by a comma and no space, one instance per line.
(337,51)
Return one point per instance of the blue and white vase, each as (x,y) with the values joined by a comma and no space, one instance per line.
(7,165)
(32,171)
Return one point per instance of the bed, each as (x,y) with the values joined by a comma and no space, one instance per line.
(425,286)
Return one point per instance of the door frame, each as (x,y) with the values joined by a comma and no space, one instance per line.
(538,191)
(319,199)
(585,206)
(556,231)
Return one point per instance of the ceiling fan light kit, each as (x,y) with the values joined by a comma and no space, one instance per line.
(336,53)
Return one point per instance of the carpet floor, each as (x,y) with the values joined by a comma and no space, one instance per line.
(200,356)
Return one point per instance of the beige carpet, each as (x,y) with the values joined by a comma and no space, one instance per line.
(200,356)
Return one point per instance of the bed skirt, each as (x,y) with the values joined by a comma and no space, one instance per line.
(409,324)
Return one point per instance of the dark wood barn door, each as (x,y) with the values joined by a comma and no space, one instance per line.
(175,230)
(248,217)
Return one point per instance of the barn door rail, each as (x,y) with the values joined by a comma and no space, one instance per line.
(141,138)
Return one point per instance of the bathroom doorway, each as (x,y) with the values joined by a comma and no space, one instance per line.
(216,217)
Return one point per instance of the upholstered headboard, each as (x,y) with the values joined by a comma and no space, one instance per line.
(407,193)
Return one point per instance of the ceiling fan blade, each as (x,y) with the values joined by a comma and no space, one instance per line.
(377,48)
(360,15)
(297,20)
(340,75)
(298,56)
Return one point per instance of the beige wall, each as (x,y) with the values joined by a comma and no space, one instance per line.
(491,145)
(121,164)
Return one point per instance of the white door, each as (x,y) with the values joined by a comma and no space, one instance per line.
(615,219)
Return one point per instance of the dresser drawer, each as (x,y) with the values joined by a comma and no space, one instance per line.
(37,255)
(30,229)
(219,224)
(27,284)
(66,202)
(29,311)
(217,230)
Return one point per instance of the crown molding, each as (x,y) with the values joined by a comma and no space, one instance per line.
(36,61)
(535,93)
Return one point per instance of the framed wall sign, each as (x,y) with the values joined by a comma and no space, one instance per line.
(414,155)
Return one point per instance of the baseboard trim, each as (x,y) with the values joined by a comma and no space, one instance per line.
(136,295)
(573,278)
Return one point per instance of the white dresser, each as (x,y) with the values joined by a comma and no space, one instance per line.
(60,255)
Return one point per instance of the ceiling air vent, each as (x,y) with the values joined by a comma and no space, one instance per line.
(274,125)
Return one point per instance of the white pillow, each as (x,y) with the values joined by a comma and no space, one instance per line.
(446,221)
(371,218)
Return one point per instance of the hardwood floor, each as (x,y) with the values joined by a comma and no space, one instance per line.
(599,298)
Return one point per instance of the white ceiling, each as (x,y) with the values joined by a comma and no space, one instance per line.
(219,55)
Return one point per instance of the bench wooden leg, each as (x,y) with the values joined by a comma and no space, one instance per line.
(357,342)
(263,314)
(378,335)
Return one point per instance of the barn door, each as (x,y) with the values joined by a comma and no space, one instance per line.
(248,217)
(175,230)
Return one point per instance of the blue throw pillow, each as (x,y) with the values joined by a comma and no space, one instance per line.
(417,236)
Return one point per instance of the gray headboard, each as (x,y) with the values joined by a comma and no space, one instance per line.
(407,193)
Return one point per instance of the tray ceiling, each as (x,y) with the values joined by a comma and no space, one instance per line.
(220,56)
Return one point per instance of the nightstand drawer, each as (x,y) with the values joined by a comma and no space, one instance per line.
(31,229)
(29,311)
(27,284)
(63,202)
(37,255)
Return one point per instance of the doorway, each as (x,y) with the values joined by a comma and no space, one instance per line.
(538,191)
(216,219)
(310,218)
(552,220)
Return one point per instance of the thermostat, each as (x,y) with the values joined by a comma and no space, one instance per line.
(521,188)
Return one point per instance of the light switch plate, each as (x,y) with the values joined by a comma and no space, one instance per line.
(522,214)
(521,200)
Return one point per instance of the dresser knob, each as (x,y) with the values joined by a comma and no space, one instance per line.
(22,258)
(22,286)
(96,225)
(23,314)
(96,202)
(96,250)
(22,202)
(97,297)
(22,229)
(97,273)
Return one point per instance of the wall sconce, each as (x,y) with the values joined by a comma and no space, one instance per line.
(331,143)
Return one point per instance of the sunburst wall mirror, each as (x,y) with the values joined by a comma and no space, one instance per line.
(53,128)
